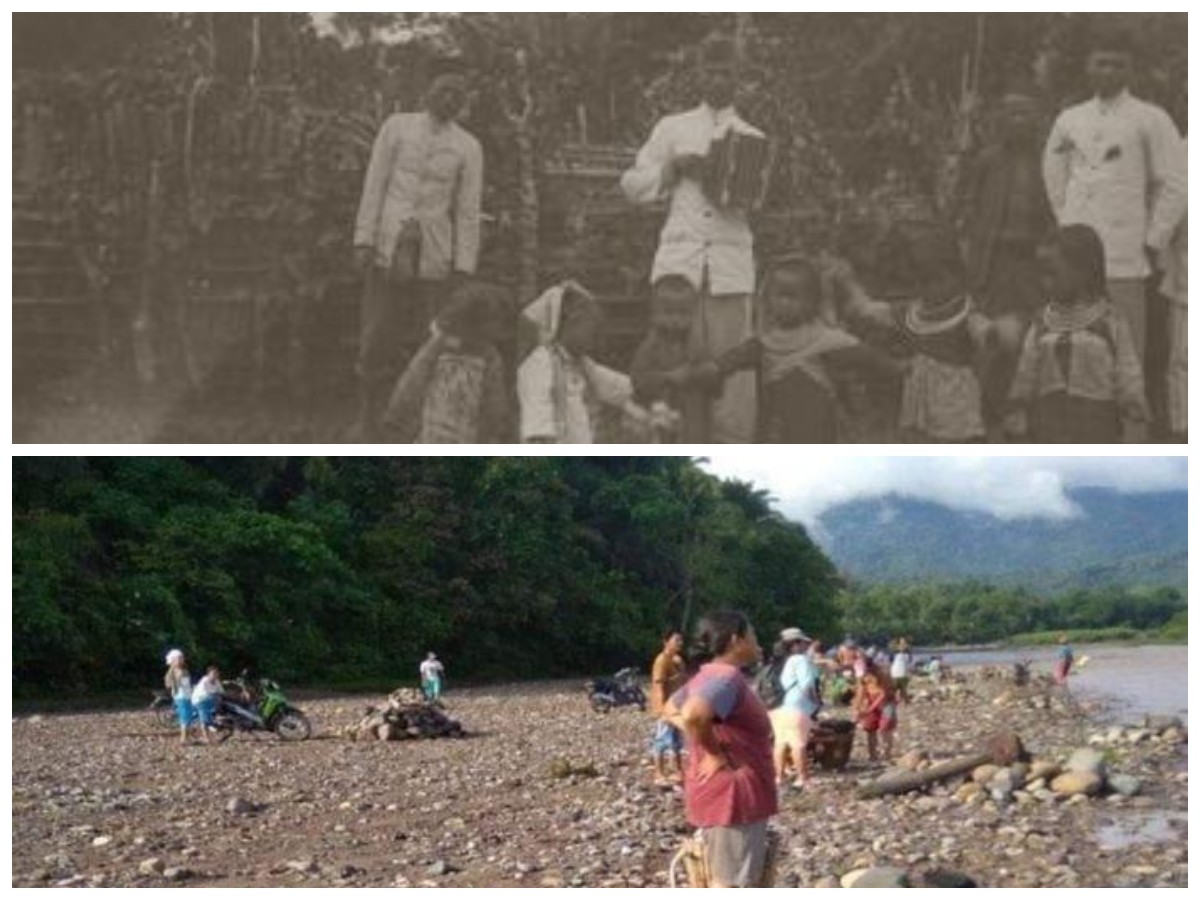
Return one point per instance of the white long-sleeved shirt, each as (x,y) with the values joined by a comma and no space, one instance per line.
(207,688)
(429,172)
(1117,165)
(699,238)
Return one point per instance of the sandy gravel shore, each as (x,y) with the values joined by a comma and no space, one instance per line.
(110,799)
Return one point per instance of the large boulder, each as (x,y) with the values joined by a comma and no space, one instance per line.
(912,760)
(878,877)
(1088,760)
(1077,784)
(945,878)
(1125,785)
(1043,769)
(1002,784)
(1159,724)
(983,774)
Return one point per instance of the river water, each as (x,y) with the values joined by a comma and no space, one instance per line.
(1135,679)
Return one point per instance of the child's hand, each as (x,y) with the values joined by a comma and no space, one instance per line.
(638,414)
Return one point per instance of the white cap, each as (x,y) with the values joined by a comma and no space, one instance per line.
(174,656)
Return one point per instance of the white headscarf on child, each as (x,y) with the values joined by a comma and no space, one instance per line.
(174,656)
(545,313)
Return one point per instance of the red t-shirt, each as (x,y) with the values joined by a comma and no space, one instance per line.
(745,793)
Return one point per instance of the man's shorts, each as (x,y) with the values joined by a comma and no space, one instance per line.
(184,711)
(206,710)
(791,727)
(667,738)
(737,854)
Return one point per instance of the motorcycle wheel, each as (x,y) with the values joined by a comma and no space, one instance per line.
(164,716)
(599,705)
(293,726)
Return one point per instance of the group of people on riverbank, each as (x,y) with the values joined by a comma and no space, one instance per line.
(195,704)
(747,737)
(1037,333)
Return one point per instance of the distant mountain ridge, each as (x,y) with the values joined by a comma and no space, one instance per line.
(1120,539)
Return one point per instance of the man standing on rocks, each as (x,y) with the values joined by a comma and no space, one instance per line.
(709,245)
(418,226)
(667,675)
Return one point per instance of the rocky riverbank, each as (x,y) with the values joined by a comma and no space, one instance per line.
(544,792)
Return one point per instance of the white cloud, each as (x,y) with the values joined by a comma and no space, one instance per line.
(1008,487)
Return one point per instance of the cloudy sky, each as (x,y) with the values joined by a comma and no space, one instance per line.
(1010,487)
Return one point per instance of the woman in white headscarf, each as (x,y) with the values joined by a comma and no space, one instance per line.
(559,385)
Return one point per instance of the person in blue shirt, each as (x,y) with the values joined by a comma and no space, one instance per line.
(793,721)
(1063,661)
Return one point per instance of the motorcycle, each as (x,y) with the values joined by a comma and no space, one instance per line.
(162,710)
(622,689)
(261,707)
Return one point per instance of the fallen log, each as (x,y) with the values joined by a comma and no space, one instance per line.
(1002,749)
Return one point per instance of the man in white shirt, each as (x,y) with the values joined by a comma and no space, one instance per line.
(418,225)
(432,674)
(710,246)
(1115,163)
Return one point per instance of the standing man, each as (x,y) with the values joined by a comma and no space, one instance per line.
(1006,216)
(417,227)
(666,677)
(432,674)
(1116,163)
(710,246)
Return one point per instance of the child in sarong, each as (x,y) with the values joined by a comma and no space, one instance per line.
(875,710)
(560,387)
(662,362)
(455,389)
(801,360)
(1079,379)
(948,339)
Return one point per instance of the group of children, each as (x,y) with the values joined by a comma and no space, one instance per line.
(195,706)
(817,337)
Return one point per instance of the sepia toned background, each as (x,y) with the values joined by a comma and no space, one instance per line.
(185,183)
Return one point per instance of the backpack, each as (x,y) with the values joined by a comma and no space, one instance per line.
(768,684)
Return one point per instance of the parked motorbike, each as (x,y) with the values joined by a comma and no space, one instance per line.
(162,710)
(622,689)
(257,707)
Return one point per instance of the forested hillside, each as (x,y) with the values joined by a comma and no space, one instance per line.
(1117,539)
(325,570)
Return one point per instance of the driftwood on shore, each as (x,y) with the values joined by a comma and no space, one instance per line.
(1001,749)
(407,716)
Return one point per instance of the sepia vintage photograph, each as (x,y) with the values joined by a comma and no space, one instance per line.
(656,228)
(600,672)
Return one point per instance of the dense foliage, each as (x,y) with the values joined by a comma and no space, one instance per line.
(328,570)
(974,612)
